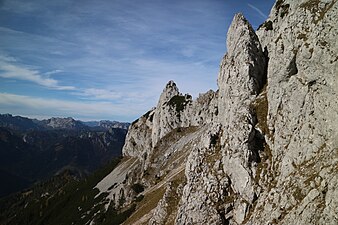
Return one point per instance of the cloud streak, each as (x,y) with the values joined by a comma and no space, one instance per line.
(100,94)
(264,16)
(35,105)
(10,70)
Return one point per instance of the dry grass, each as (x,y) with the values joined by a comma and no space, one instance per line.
(152,198)
(174,198)
(175,158)
(261,108)
(317,12)
(149,202)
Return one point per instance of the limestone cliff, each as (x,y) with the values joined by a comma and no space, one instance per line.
(263,149)
(302,114)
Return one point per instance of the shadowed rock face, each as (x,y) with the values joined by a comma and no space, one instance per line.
(262,149)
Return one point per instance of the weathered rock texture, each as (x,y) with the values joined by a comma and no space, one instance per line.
(263,149)
(229,155)
(302,116)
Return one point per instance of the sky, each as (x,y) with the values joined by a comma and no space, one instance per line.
(110,59)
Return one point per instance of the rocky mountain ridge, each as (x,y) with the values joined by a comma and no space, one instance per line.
(62,123)
(24,124)
(260,150)
(107,124)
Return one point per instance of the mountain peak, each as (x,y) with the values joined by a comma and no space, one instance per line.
(170,83)
(170,87)
(169,91)
(63,123)
(241,36)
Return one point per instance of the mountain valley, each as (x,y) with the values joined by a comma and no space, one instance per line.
(32,150)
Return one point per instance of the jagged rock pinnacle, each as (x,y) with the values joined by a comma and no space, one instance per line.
(170,83)
(169,91)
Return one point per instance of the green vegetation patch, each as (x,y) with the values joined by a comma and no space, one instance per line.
(138,188)
(111,216)
(179,102)
(148,203)
(261,108)
(174,197)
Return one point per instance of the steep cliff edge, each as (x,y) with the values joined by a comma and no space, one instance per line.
(260,150)
(222,170)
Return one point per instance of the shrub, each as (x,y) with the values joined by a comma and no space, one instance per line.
(139,198)
(137,187)
(178,101)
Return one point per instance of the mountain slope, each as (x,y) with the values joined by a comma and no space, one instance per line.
(60,200)
(262,149)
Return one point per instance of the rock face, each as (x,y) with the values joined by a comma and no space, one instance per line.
(302,116)
(260,150)
(230,144)
(174,110)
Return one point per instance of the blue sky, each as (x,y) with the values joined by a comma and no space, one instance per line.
(110,59)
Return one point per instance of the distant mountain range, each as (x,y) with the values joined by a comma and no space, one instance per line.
(20,123)
(33,150)
(107,124)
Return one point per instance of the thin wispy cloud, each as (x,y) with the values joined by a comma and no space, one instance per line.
(120,52)
(18,6)
(10,70)
(63,107)
(53,72)
(100,94)
(264,16)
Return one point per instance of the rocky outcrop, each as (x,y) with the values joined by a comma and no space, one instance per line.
(262,149)
(162,139)
(222,169)
(174,110)
(167,113)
